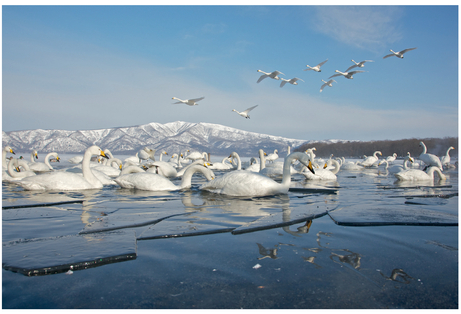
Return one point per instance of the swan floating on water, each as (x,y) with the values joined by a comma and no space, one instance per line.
(398,54)
(273,75)
(397,168)
(360,64)
(429,159)
(154,182)
(245,113)
(44,166)
(322,174)
(292,81)
(419,175)
(371,160)
(446,159)
(391,158)
(66,181)
(317,67)
(329,83)
(348,75)
(163,168)
(190,102)
(247,183)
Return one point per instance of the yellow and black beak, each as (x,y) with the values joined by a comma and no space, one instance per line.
(58,159)
(11,151)
(326,165)
(103,155)
(310,167)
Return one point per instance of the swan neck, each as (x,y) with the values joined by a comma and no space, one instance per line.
(86,169)
(262,159)
(286,179)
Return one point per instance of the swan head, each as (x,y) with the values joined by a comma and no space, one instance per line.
(9,149)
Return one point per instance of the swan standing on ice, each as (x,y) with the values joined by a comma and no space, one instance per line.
(190,102)
(247,183)
(6,149)
(371,160)
(419,175)
(348,75)
(245,113)
(66,181)
(273,75)
(44,166)
(398,54)
(273,157)
(446,159)
(391,158)
(360,64)
(317,67)
(291,81)
(429,159)
(329,83)
(154,182)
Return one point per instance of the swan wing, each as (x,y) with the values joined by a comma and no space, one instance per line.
(196,99)
(262,77)
(322,63)
(389,55)
(334,75)
(406,50)
(249,109)
(351,67)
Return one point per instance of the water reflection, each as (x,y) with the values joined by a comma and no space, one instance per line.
(398,275)
(352,259)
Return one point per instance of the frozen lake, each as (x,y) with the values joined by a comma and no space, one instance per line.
(363,241)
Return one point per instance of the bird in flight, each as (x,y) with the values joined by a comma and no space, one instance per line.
(190,102)
(398,54)
(347,75)
(291,81)
(317,67)
(360,64)
(245,113)
(273,75)
(329,83)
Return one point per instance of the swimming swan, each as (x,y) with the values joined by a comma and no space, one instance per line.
(6,149)
(154,182)
(419,175)
(322,174)
(44,166)
(317,67)
(247,183)
(429,159)
(273,75)
(371,160)
(391,158)
(66,181)
(13,170)
(446,159)
(190,102)
(245,113)
(163,168)
(397,168)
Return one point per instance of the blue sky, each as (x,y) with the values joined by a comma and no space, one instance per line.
(94,67)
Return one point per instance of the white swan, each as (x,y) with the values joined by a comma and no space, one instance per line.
(196,155)
(349,165)
(254,165)
(221,165)
(66,181)
(44,166)
(398,54)
(247,183)
(348,75)
(6,149)
(190,102)
(33,156)
(273,75)
(163,168)
(391,158)
(397,168)
(446,159)
(273,157)
(429,159)
(245,113)
(145,154)
(329,83)
(292,81)
(371,160)
(76,159)
(419,175)
(360,64)
(108,168)
(322,174)
(317,67)
(13,173)
(154,182)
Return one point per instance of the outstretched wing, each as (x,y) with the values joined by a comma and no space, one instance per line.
(196,99)
(405,50)
(351,67)
(339,74)
(353,72)
(322,63)
(389,55)
(249,109)
(262,77)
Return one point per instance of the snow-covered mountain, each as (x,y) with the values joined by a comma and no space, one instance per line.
(172,137)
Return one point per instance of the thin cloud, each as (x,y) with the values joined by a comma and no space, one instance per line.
(360,26)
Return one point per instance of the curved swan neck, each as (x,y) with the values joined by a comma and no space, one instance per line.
(47,160)
(286,179)
(86,170)
(239,162)
(424,147)
(186,180)
(337,166)
(431,171)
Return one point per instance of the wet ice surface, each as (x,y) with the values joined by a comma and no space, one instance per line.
(361,242)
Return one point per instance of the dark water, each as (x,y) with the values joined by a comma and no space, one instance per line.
(366,242)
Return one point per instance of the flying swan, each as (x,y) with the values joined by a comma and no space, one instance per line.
(292,81)
(360,64)
(245,113)
(273,75)
(348,75)
(398,54)
(329,83)
(190,102)
(317,67)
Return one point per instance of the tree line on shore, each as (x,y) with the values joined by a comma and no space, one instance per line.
(357,149)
